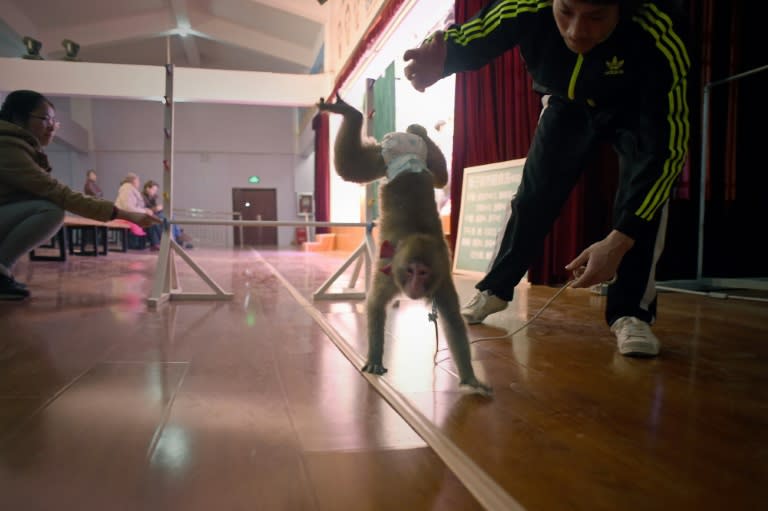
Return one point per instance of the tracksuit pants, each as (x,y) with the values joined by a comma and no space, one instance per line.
(565,138)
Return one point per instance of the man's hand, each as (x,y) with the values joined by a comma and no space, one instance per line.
(427,62)
(598,262)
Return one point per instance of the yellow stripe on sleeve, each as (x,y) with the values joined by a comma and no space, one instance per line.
(481,27)
(659,26)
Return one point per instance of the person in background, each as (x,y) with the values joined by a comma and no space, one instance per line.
(32,202)
(612,70)
(91,187)
(129,198)
(149,195)
(155,233)
(151,201)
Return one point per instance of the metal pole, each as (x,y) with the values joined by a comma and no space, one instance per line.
(704,159)
(738,76)
(703,184)
(242,239)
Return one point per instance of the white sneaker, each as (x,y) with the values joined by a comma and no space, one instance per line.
(634,337)
(481,305)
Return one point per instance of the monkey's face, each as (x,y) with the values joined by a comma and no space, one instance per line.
(419,264)
(415,279)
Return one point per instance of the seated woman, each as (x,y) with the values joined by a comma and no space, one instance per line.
(129,198)
(32,202)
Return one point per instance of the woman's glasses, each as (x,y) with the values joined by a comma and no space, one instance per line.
(50,121)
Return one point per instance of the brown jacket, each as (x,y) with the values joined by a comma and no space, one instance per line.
(92,189)
(25,175)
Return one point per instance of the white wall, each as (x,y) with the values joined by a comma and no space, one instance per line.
(304,181)
(304,178)
(216,148)
(60,161)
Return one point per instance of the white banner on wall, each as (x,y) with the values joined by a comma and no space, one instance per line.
(349,19)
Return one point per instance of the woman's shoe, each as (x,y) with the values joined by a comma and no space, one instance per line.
(12,290)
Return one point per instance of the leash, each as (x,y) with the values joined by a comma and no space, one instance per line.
(433,317)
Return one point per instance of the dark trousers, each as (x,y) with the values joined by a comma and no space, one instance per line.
(565,138)
(155,232)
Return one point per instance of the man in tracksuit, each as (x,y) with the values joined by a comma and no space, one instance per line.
(608,70)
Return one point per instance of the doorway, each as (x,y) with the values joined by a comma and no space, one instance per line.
(255,204)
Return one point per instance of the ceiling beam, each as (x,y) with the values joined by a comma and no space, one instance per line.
(121,81)
(179,10)
(318,46)
(249,87)
(126,28)
(84,79)
(18,21)
(191,50)
(309,9)
(236,35)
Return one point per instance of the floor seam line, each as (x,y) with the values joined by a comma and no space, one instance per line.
(476,480)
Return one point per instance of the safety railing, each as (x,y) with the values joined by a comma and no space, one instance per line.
(206,235)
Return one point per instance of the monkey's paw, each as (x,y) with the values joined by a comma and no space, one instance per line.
(476,387)
(374,368)
(338,107)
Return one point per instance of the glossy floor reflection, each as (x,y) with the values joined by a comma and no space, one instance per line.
(106,404)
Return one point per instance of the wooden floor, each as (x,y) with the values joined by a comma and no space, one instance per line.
(251,404)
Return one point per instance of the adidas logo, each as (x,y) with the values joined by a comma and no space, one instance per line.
(614,67)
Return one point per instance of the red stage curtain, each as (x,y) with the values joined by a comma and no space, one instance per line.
(322,171)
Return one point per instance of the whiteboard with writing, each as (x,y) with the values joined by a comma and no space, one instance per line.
(485,203)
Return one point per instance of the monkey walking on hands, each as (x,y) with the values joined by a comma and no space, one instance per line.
(414,258)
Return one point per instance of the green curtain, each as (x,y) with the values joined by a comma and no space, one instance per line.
(384,103)
(382,121)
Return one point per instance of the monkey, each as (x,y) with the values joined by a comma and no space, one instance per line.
(414,258)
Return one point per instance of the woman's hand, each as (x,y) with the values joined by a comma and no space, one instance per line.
(141,219)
